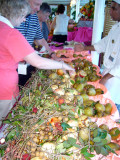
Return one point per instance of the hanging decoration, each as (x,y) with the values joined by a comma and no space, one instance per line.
(88,10)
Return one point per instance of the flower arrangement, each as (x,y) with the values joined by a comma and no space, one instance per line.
(88,10)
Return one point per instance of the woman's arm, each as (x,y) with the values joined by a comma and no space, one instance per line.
(81,47)
(53,23)
(45,63)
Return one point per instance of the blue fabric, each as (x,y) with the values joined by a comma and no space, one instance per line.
(45,30)
(31,28)
(118,107)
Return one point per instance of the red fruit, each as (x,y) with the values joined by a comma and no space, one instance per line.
(35,110)
(39,84)
(26,157)
(58,126)
(81,76)
(60,101)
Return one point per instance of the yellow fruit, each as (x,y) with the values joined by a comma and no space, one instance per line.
(99,91)
(100,107)
(114,146)
(91,92)
(115,133)
(93,125)
(104,127)
(89,111)
(85,97)
(88,102)
(84,134)
(108,108)
(53,76)
(80,87)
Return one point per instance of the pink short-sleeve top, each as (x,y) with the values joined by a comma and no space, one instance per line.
(13,48)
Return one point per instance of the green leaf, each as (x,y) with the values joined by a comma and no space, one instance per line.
(65,126)
(104,151)
(73,82)
(40,121)
(95,133)
(110,149)
(16,123)
(2,151)
(18,117)
(56,105)
(83,150)
(87,158)
(70,143)
(22,109)
(86,154)
(98,149)
(11,134)
(41,75)
(103,135)
(7,121)
(66,144)
(97,139)
(9,116)
(91,149)
(104,141)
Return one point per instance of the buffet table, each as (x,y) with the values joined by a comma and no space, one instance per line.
(83,34)
(43,96)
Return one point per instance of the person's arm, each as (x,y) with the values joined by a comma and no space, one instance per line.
(71,21)
(105,78)
(81,47)
(43,42)
(45,63)
(48,25)
(53,23)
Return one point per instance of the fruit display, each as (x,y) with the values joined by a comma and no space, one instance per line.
(53,120)
(71,54)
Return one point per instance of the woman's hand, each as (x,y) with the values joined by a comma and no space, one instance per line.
(79,47)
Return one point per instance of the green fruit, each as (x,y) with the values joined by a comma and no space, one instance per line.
(75,55)
(108,108)
(84,134)
(100,107)
(88,86)
(100,114)
(104,127)
(89,111)
(93,125)
(92,78)
(80,87)
(91,92)
(99,91)
(88,103)
(115,133)
(85,97)
(114,146)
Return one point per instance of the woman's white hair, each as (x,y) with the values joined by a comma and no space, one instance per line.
(14,8)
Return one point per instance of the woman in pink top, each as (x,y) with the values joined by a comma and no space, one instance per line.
(14,48)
